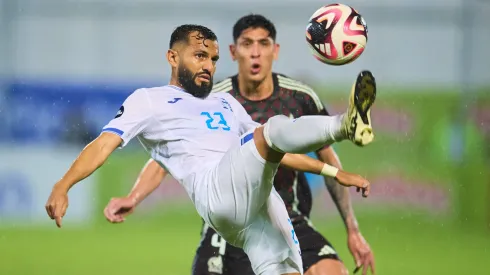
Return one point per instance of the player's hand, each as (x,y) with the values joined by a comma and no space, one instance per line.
(361,251)
(57,204)
(118,208)
(348,179)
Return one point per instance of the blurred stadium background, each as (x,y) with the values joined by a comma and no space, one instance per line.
(66,66)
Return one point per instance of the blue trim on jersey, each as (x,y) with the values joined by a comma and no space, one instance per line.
(113,130)
(247,138)
(176,88)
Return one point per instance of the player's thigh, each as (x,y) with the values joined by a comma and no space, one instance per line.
(242,185)
(215,256)
(318,254)
(270,241)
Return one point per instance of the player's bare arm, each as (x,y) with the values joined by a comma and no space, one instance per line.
(89,160)
(341,178)
(148,180)
(358,246)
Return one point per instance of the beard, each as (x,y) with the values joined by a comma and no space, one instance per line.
(188,81)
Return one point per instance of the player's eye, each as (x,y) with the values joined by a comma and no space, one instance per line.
(200,55)
(265,42)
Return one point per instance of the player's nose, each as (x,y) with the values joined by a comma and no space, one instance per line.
(208,67)
(255,50)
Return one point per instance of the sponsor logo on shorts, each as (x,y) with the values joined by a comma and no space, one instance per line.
(326,250)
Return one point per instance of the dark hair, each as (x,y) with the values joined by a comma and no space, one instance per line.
(182,32)
(253,21)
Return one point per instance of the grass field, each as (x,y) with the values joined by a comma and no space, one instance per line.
(404,243)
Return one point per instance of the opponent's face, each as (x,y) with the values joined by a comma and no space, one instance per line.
(254,51)
(196,64)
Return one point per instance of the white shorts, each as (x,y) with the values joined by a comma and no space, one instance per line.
(245,209)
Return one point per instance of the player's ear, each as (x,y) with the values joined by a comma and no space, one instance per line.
(173,58)
(233,51)
(276,50)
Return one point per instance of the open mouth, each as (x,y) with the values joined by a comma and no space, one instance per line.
(255,68)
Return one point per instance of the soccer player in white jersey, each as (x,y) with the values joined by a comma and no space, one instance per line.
(224,160)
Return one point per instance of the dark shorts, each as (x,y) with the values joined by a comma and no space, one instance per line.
(214,256)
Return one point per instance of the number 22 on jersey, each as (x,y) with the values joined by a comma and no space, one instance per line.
(216,121)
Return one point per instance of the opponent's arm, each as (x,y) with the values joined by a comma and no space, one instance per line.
(307,164)
(358,246)
(340,194)
(148,180)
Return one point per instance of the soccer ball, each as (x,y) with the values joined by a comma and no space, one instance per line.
(336,34)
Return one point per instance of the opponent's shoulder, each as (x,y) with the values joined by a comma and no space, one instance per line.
(225,85)
(299,87)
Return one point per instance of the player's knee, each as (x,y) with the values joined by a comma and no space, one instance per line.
(272,130)
(328,267)
(274,124)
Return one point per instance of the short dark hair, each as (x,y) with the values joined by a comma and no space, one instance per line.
(182,32)
(253,21)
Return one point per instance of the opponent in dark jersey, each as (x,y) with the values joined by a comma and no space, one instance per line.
(291,98)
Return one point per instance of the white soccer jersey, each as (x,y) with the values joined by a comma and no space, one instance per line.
(183,133)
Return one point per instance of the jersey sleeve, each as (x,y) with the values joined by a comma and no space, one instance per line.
(314,106)
(246,123)
(133,117)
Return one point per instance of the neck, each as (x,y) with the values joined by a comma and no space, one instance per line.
(174,81)
(256,90)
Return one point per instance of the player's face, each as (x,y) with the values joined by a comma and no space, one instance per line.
(197,66)
(254,51)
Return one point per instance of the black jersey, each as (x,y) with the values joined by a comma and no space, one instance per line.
(290,98)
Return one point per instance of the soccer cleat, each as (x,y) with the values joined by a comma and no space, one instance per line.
(357,121)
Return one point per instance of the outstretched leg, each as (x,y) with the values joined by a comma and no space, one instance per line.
(308,133)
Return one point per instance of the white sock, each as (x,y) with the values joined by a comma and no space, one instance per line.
(304,134)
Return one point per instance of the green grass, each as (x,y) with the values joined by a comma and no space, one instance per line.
(403,242)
